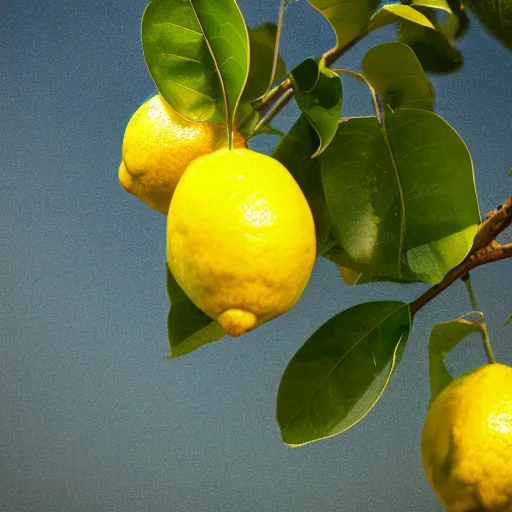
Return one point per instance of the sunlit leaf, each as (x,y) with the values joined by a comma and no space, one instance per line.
(339,374)
(188,327)
(396,74)
(263,40)
(496,16)
(396,12)
(444,337)
(434,4)
(509,320)
(198,56)
(348,18)
(318,94)
(294,151)
(402,201)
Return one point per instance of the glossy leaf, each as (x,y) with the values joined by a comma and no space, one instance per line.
(396,74)
(318,94)
(395,12)
(263,40)
(496,16)
(188,327)
(444,337)
(294,151)
(339,374)
(402,199)
(198,55)
(433,49)
(433,4)
(349,18)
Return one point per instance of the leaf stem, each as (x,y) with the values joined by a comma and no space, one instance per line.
(276,108)
(487,343)
(482,324)
(280,21)
(467,281)
(373,92)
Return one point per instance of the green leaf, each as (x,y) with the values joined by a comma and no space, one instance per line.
(348,18)
(340,373)
(396,74)
(444,337)
(349,276)
(402,201)
(509,320)
(433,49)
(188,327)
(198,56)
(496,16)
(433,4)
(318,94)
(267,129)
(388,14)
(263,40)
(294,151)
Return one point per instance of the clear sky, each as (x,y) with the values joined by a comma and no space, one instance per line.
(92,415)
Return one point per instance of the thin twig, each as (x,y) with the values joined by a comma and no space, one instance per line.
(282,89)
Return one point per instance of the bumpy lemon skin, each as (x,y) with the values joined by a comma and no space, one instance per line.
(158,145)
(467,442)
(240,238)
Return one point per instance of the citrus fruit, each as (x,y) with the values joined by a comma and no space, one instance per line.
(467,441)
(158,145)
(240,238)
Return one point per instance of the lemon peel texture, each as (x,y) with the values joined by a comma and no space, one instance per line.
(467,442)
(240,238)
(158,145)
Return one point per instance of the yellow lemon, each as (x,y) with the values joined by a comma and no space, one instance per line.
(240,238)
(158,145)
(467,442)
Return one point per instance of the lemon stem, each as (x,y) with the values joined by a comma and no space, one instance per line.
(483,326)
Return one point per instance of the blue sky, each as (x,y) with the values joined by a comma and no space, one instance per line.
(94,418)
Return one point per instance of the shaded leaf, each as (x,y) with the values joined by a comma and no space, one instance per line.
(188,327)
(395,12)
(294,151)
(349,276)
(396,74)
(444,337)
(348,18)
(339,374)
(402,201)
(262,43)
(198,56)
(318,94)
(496,16)
(433,49)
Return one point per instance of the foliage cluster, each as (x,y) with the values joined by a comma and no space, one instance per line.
(393,195)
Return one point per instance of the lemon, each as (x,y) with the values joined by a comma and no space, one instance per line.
(240,238)
(467,442)
(158,145)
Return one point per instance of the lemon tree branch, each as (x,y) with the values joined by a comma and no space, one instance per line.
(485,250)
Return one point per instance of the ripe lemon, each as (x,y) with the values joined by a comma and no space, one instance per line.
(240,238)
(467,442)
(158,145)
